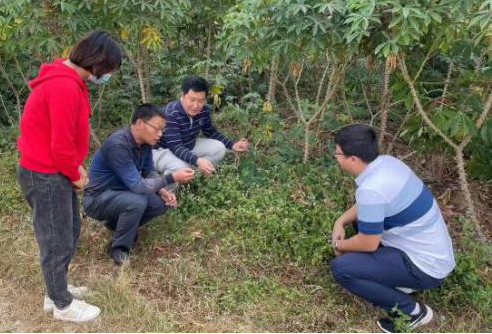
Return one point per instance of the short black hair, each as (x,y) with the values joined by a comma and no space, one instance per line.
(197,84)
(146,111)
(358,140)
(98,52)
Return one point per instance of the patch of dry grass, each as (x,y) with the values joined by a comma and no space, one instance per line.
(165,288)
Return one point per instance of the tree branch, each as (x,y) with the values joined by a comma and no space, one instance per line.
(335,76)
(17,65)
(296,91)
(403,68)
(320,86)
(289,101)
(384,102)
(368,105)
(427,56)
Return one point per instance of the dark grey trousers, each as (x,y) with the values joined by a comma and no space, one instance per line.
(55,214)
(125,212)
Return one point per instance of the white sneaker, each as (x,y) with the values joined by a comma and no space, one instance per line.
(77,292)
(77,311)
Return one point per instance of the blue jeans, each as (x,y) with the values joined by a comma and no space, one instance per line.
(55,213)
(374,277)
(125,212)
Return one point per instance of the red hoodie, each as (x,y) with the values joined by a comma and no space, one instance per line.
(54,129)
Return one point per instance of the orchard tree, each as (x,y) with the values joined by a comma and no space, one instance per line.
(295,39)
(410,33)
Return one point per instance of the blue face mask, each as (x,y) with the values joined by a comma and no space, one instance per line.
(100,81)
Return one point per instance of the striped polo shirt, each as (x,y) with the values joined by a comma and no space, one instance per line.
(182,131)
(394,202)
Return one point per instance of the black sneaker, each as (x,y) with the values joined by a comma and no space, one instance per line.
(388,325)
(118,255)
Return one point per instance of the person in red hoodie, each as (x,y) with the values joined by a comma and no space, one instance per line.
(53,143)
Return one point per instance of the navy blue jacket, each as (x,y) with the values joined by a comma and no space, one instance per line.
(121,164)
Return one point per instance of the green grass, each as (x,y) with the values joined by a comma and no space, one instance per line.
(245,251)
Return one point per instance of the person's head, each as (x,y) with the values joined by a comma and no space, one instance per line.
(98,53)
(194,95)
(356,147)
(148,124)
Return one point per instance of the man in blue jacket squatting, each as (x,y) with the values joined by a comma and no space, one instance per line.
(124,190)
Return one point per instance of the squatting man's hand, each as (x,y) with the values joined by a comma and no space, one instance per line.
(168,197)
(240,146)
(337,234)
(205,166)
(184,175)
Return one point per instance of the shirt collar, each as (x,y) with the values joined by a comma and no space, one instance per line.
(129,136)
(179,106)
(367,171)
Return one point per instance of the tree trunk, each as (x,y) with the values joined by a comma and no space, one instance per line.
(142,81)
(272,86)
(209,49)
(465,188)
(141,76)
(384,104)
(143,61)
(306,142)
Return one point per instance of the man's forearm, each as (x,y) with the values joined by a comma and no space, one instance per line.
(348,216)
(152,185)
(359,243)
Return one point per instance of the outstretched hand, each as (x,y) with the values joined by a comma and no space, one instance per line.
(184,175)
(241,145)
(205,166)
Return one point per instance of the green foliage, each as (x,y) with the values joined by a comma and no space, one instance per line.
(267,207)
(391,26)
(8,138)
(12,199)
(480,158)
(255,30)
(468,283)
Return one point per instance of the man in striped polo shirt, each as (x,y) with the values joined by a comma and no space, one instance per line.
(402,241)
(180,146)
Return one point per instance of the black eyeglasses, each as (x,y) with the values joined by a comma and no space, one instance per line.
(156,129)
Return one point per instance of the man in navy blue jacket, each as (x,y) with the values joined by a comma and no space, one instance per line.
(180,146)
(124,190)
